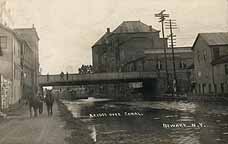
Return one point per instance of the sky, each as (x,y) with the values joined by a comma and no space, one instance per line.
(67,29)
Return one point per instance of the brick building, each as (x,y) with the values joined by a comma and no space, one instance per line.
(135,46)
(211,63)
(154,61)
(126,43)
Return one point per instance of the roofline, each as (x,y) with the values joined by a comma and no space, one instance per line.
(179,47)
(183,47)
(197,40)
(15,34)
(10,31)
(155,30)
(135,32)
(218,45)
(197,37)
(112,33)
(206,41)
(28,29)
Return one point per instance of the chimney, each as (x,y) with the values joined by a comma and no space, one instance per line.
(150,28)
(108,30)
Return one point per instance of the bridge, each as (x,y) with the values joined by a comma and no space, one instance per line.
(98,78)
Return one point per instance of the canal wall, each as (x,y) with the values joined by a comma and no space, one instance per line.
(79,129)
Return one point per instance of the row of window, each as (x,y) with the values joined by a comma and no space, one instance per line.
(182,65)
(3,44)
(203,87)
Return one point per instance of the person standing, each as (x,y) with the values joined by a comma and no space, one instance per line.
(62,76)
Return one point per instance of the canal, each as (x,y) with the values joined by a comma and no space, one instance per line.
(148,122)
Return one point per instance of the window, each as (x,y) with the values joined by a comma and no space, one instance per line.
(159,65)
(209,87)
(226,69)
(182,65)
(3,42)
(199,88)
(204,55)
(215,87)
(203,87)
(185,65)
(222,87)
(216,52)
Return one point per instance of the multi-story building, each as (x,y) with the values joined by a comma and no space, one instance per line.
(27,65)
(154,61)
(10,61)
(19,60)
(134,46)
(126,43)
(210,51)
(30,56)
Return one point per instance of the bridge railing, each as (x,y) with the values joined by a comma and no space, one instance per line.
(43,79)
(96,77)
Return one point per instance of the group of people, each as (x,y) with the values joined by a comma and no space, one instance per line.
(36,103)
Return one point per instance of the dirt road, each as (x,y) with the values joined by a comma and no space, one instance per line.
(19,128)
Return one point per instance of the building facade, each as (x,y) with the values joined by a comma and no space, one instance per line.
(126,43)
(12,60)
(154,61)
(136,47)
(210,63)
(30,54)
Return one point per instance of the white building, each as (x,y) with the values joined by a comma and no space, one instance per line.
(13,58)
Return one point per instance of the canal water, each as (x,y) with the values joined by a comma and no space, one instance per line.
(148,122)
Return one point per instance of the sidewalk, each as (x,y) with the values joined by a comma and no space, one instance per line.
(19,128)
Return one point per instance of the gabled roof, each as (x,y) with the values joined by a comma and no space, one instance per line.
(10,31)
(133,27)
(216,38)
(127,27)
(102,39)
(213,39)
(27,31)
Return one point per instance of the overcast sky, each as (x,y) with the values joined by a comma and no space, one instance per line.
(68,28)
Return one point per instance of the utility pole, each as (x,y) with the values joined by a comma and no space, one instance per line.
(162,17)
(171,24)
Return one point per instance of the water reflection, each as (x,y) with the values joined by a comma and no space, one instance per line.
(189,123)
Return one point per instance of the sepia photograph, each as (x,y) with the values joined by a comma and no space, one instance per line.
(114,72)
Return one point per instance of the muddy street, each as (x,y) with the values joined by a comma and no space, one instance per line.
(19,128)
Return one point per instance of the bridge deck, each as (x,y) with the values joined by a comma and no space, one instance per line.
(83,79)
